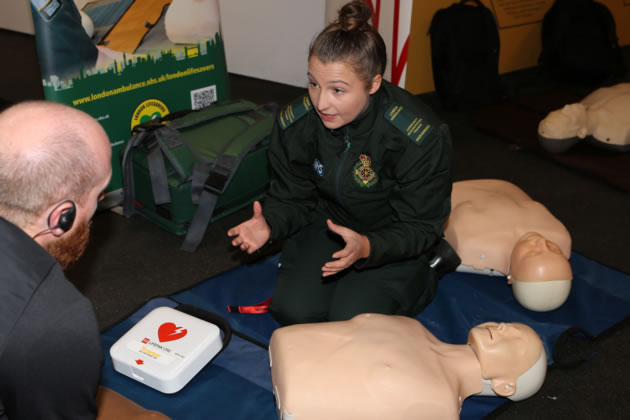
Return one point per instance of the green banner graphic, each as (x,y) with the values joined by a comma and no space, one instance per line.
(151,78)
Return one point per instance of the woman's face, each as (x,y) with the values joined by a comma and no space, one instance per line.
(337,92)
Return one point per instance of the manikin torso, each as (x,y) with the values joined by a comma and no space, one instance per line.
(489,216)
(608,119)
(323,371)
(602,117)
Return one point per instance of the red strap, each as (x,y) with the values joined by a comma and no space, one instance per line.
(259,308)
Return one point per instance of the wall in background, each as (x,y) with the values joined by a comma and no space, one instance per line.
(269,39)
(15,15)
(519,24)
(393,21)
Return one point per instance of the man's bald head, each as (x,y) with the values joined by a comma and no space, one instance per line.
(49,152)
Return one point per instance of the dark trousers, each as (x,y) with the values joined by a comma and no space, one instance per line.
(302,295)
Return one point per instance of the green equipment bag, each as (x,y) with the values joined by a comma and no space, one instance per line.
(190,168)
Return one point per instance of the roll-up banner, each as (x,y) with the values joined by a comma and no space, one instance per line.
(128,61)
(392,19)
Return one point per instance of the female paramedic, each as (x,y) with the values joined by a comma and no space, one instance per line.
(360,186)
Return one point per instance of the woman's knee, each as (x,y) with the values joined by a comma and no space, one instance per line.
(343,311)
(295,311)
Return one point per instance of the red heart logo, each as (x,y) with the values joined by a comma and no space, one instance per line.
(169,332)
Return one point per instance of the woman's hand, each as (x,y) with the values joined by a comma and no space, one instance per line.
(253,233)
(357,247)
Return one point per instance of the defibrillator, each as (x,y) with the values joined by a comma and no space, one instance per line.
(168,347)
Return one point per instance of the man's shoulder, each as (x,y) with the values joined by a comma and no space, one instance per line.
(21,254)
(57,305)
(65,355)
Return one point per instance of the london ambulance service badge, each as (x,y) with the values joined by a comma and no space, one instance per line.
(364,175)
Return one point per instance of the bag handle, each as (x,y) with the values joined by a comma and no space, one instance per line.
(210,317)
(208,184)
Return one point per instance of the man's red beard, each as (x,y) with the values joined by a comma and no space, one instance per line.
(68,248)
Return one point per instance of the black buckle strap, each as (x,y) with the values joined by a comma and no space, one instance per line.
(205,194)
(159,178)
(220,173)
(147,126)
(129,187)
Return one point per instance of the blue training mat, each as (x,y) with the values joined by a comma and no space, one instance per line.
(599,299)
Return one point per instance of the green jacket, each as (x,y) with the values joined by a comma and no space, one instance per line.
(386,175)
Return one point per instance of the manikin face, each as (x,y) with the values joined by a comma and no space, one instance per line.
(570,121)
(505,351)
(534,258)
(337,93)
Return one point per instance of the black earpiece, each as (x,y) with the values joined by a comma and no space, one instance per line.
(66,218)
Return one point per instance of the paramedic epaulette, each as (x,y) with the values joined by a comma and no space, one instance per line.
(414,127)
(293,112)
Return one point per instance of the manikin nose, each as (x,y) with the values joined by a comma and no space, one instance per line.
(541,242)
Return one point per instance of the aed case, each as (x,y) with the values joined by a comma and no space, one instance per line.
(166,349)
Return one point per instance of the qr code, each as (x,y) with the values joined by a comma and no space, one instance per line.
(200,98)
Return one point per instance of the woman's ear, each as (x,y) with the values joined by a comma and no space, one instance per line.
(376,83)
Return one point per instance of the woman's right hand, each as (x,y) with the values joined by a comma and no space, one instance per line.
(252,234)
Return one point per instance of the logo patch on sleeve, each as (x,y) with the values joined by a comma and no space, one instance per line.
(411,125)
(293,112)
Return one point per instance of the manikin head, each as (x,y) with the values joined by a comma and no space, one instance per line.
(55,162)
(512,358)
(562,128)
(540,274)
(346,62)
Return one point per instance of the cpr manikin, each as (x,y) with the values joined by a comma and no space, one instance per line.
(601,117)
(192,21)
(375,367)
(497,229)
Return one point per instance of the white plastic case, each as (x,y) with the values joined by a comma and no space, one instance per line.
(166,349)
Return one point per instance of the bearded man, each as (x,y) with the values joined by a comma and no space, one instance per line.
(55,163)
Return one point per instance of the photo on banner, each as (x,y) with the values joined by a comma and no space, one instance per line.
(129,61)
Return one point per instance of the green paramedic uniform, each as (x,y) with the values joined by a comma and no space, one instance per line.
(386,175)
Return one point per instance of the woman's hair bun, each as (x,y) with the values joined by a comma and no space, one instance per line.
(354,16)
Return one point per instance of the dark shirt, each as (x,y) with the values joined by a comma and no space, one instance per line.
(386,175)
(50,349)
